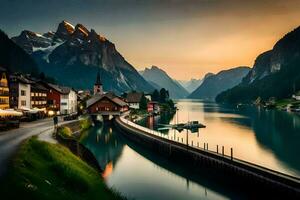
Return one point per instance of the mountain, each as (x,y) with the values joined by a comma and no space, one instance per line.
(190,85)
(275,73)
(74,55)
(193,84)
(160,79)
(14,58)
(214,84)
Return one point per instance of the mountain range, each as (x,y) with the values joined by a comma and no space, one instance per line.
(213,84)
(275,73)
(191,84)
(160,79)
(74,55)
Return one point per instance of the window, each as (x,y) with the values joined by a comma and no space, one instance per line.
(23,93)
(23,103)
(32,94)
(63,103)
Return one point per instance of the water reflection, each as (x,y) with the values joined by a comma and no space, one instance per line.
(105,145)
(141,174)
(267,137)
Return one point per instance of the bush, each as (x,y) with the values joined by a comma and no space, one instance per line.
(65,132)
(85,123)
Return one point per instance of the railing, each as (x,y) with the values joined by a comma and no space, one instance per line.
(205,148)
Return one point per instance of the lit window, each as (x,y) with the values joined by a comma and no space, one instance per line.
(23,103)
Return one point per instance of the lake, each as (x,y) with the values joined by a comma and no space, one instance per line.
(269,138)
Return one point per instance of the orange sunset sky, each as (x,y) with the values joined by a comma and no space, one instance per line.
(186,38)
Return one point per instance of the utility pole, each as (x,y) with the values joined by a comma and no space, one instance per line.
(187,138)
(177,110)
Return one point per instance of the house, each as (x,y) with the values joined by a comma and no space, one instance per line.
(148,97)
(68,101)
(20,91)
(53,98)
(153,107)
(296,96)
(38,96)
(61,99)
(4,89)
(134,99)
(106,103)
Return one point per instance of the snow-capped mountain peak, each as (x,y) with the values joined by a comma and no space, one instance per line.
(72,48)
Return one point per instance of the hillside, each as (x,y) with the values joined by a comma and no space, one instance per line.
(160,79)
(74,55)
(14,58)
(277,68)
(214,84)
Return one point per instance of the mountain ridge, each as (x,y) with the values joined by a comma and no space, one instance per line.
(73,55)
(213,84)
(160,79)
(274,68)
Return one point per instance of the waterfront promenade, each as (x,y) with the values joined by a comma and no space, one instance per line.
(171,146)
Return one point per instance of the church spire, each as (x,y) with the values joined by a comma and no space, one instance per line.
(98,81)
(98,89)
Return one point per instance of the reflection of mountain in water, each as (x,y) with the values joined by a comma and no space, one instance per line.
(103,142)
(275,130)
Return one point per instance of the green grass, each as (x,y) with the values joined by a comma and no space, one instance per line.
(85,123)
(47,171)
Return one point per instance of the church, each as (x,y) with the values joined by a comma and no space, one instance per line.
(105,102)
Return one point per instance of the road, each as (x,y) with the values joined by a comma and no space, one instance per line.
(10,140)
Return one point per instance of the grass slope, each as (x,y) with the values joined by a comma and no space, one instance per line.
(45,171)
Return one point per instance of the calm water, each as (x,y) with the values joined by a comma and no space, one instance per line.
(267,138)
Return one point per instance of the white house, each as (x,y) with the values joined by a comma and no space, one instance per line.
(68,101)
(24,96)
(296,96)
(20,92)
(149,97)
(65,97)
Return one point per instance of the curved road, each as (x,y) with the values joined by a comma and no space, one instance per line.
(10,140)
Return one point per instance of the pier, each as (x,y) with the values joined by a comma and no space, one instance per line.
(256,177)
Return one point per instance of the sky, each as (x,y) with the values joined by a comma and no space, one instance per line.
(186,38)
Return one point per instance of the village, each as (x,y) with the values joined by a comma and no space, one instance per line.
(25,99)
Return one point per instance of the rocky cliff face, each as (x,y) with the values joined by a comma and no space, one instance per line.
(275,73)
(74,54)
(270,62)
(160,79)
(260,69)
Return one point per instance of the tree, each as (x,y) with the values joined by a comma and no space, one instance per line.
(155,95)
(163,95)
(143,103)
(171,104)
(42,76)
(124,95)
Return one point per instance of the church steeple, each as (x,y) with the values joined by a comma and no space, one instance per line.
(98,89)
(98,81)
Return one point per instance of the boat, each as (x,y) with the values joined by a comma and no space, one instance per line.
(191,125)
